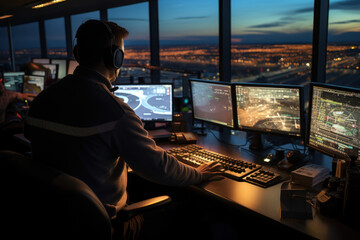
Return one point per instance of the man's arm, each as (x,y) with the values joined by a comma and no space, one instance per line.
(149,160)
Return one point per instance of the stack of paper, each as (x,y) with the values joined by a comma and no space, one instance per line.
(309,175)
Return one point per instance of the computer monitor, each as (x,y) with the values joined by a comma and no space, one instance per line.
(72,64)
(334,119)
(212,102)
(53,70)
(41,60)
(14,81)
(270,108)
(151,102)
(33,84)
(62,67)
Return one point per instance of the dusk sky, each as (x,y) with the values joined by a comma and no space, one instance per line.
(196,22)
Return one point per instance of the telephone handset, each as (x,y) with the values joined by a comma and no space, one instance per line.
(184,137)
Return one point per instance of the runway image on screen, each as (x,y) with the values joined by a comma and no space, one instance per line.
(14,81)
(212,103)
(151,102)
(33,84)
(269,109)
(335,116)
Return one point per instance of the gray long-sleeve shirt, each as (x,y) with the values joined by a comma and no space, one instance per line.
(81,128)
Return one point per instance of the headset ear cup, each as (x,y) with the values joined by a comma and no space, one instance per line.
(118,57)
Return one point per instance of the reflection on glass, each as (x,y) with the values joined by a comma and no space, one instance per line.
(55,37)
(343,51)
(272,41)
(189,37)
(26,39)
(4,47)
(135,18)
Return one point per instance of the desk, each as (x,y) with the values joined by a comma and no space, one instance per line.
(260,202)
(265,202)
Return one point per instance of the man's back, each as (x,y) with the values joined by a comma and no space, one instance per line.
(81,128)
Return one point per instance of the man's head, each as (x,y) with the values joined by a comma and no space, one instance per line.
(100,43)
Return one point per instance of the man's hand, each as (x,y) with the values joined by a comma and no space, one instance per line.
(210,170)
(25,96)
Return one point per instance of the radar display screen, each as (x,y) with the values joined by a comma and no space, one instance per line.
(14,81)
(212,102)
(334,120)
(274,109)
(151,102)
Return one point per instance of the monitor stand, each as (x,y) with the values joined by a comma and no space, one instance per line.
(258,143)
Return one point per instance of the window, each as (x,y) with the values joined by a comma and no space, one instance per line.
(78,19)
(4,48)
(135,18)
(26,40)
(55,38)
(343,51)
(189,37)
(272,41)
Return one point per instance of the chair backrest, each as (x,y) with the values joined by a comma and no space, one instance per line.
(39,202)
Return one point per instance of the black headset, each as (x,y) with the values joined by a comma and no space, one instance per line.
(113,56)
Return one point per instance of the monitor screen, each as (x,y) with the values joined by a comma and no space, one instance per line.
(33,84)
(151,102)
(212,102)
(270,108)
(334,119)
(41,60)
(62,63)
(72,64)
(14,81)
(53,70)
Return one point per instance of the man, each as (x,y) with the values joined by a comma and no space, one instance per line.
(80,127)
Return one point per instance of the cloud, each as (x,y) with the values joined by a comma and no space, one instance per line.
(346,5)
(346,22)
(191,18)
(270,25)
(303,10)
(129,19)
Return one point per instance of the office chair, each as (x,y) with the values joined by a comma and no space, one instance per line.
(40,202)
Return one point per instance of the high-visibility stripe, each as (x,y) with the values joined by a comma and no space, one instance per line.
(70,130)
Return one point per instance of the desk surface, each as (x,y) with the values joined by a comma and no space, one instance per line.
(266,201)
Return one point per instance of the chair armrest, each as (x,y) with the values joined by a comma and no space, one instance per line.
(134,209)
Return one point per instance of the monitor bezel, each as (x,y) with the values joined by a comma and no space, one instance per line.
(307,140)
(57,69)
(273,132)
(152,84)
(34,58)
(66,65)
(212,82)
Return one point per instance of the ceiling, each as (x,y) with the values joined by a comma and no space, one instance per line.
(23,13)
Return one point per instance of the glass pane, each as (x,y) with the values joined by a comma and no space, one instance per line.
(55,38)
(343,51)
(189,37)
(4,49)
(135,18)
(26,39)
(272,41)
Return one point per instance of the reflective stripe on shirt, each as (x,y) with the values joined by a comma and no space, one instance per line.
(70,130)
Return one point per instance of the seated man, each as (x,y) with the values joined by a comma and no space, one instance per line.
(78,126)
(11,121)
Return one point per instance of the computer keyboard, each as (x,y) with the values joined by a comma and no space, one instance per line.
(237,169)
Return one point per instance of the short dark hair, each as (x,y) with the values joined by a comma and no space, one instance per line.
(93,38)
